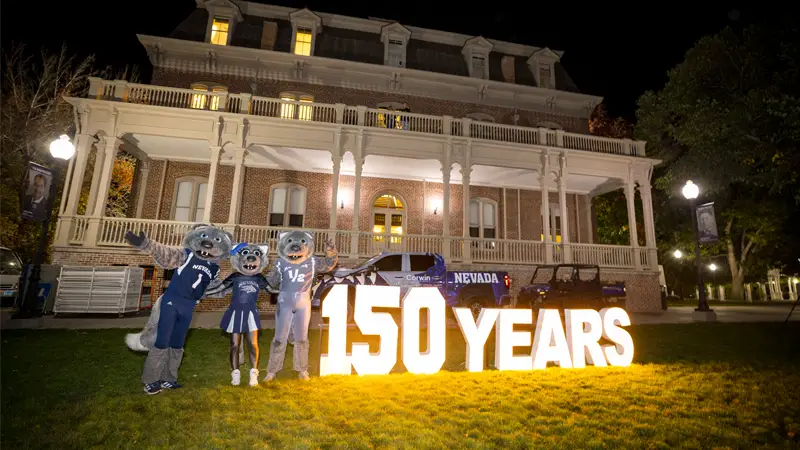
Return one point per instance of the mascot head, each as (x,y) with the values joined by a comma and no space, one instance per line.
(249,259)
(208,242)
(295,246)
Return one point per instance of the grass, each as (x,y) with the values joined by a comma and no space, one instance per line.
(704,385)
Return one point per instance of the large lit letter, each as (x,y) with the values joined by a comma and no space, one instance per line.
(581,338)
(433,359)
(620,354)
(376,324)
(335,362)
(475,333)
(549,342)
(507,339)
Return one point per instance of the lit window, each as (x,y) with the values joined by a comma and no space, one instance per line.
(214,106)
(555,223)
(289,106)
(478,67)
(219,31)
(388,209)
(287,206)
(393,120)
(302,42)
(190,199)
(199,100)
(482,218)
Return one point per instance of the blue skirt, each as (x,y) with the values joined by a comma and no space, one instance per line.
(239,321)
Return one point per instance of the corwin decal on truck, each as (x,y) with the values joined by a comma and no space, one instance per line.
(475,277)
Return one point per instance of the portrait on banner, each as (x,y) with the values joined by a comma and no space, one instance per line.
(707,224)
(37,191)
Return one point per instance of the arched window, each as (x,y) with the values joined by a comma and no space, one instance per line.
(391,120)
(480,117)
(287,205)
(189,199)
(204,100)
(550,125)
(555,223)
(388,216)
(482,218)
(292,106)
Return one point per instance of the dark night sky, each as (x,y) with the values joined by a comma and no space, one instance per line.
(617,53)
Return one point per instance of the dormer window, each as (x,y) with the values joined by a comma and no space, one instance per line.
(302,42)
(395,39)
(476,53)
(542,64)
(305,26)
(478,66)
(219,31)
(546,77)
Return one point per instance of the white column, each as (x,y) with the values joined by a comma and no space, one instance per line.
(72,190)
(337,165)
(647,208)
(466,170)
(446,168)
(589,221)
(212,180)
(630,196)
(548,247)
(142,188)
(99,155)
(562,201)
(359,166)
(65,190)
(109,150)
(238,184)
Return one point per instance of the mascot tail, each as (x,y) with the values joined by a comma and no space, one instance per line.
(134,342)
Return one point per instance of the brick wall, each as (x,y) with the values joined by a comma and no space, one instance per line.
(355,97)
(417,197)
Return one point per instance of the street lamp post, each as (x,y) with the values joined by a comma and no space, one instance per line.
(690,192)
(60,149)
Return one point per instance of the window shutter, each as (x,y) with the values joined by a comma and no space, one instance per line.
(268,35)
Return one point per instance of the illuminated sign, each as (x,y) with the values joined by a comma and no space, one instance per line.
(571,345)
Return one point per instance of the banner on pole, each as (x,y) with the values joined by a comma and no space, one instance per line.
(37,190)
(707,223)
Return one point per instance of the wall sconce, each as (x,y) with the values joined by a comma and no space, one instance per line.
(435,210)
(436,205)
(342,205)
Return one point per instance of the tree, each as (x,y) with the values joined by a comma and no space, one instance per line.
(33,113)
(729,119)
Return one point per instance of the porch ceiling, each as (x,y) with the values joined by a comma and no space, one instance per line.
(299,159)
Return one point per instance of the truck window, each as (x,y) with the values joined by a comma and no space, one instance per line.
(390,263)
(565,273)
(587,273)
(542,275)
(421,263)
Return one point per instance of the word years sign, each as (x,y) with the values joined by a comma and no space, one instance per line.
(572,344)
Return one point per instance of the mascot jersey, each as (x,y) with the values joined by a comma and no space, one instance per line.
(296,279)
(190,280)
(242,315)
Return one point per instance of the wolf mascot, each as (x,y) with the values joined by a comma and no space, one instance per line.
(242,316)
(295,270)
(195,267)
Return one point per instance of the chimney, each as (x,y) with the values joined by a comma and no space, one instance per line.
(268,35)
(507,66)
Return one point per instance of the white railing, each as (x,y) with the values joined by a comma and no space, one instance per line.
(111,233)
(356,116)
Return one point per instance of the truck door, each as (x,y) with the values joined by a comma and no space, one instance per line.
(390,269)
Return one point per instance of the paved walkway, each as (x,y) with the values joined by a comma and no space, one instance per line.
(681,314)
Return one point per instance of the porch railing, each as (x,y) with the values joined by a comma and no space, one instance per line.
(111,233)
(242,103)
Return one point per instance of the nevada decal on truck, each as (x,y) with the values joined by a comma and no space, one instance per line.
(475,290)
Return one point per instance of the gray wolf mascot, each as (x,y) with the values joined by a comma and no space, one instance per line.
(295,270)
(242,316)
(195,267)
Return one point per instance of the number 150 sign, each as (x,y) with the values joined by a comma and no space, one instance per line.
(571,345)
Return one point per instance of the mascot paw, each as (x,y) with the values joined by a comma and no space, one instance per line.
(136,240)
(134,343)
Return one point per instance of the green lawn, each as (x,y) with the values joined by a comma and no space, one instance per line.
(706,385)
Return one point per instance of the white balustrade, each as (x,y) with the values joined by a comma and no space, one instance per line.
(356,116)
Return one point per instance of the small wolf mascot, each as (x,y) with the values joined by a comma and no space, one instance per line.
(195,267)
(294,271)
(242,316)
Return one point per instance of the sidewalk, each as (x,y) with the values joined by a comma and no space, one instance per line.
(681,314)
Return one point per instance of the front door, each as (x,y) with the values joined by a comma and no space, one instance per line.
(388,224)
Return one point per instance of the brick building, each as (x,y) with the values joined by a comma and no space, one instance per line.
(382,135)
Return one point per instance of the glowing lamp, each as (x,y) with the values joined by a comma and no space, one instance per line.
(677,254)
(712,267)
(690,190)
(62,148)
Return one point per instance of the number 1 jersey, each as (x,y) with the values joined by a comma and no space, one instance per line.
(190,280)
